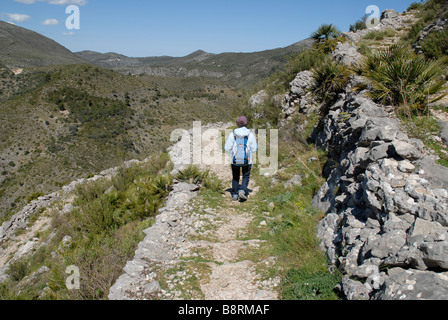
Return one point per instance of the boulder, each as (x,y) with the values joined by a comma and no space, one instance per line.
(354,290)
(388,14)
(411,284)
(302,83)
(346,53)
(294,181)
(444,132)
(407,150)
(258,98)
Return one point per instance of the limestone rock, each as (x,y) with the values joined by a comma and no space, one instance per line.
(302,83)
(346,53)
(444,133)
(414,285)
(386,200)
(294,181)
(354,290)
(258,98)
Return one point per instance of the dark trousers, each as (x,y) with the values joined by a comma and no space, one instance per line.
(236,172)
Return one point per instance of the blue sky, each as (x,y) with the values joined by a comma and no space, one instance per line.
(178,27)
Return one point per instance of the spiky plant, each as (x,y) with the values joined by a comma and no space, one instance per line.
(403,79)
(330,78)
(161,185)
(192,174)
(325,32)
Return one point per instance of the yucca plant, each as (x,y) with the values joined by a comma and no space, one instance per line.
(330,78)
(192,174)
(327,37)
(403,79)
(161,185)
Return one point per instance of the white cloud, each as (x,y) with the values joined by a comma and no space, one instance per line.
(68,33)
(66,2)
(56,2)
(26,1)
(50,22)
(17,17)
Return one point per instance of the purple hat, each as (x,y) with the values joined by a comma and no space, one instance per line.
(242,121)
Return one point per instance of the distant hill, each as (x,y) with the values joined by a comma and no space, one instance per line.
(232,68)
(115,60)
(23,48)
(20,47)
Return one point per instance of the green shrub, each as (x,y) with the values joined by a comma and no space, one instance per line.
(379,35)
(160,186)
(330,80)
(415,6)
(213,183)
(19,269)
(304,60)
(359,25)
(206,178)
(34,196)
(435,45)
(401,78)
(414,32)
(191,174)
(301,284)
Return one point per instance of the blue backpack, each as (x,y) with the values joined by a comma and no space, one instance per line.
(241,157)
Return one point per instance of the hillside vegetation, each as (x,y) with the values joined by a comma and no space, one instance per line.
(63,123)
(231,68)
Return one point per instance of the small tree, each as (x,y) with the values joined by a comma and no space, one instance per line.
(327,37)
(325,33)
(360,24)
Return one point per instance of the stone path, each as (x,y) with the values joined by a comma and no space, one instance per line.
(199,249)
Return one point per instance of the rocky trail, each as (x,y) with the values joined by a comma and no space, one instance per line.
(199,247)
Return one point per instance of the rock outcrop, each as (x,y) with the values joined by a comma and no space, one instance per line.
(386,201)
(346,53)
(20,219)
(299,99)
(390,19)
(385,197)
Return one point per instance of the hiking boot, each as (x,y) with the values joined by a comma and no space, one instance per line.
(235,197)
(242,195)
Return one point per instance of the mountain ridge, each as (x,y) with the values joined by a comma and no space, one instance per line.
(231,67)
(24,48)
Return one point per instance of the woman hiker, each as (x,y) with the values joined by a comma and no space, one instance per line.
(241,144)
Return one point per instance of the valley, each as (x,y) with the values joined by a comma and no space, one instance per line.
(91,179)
